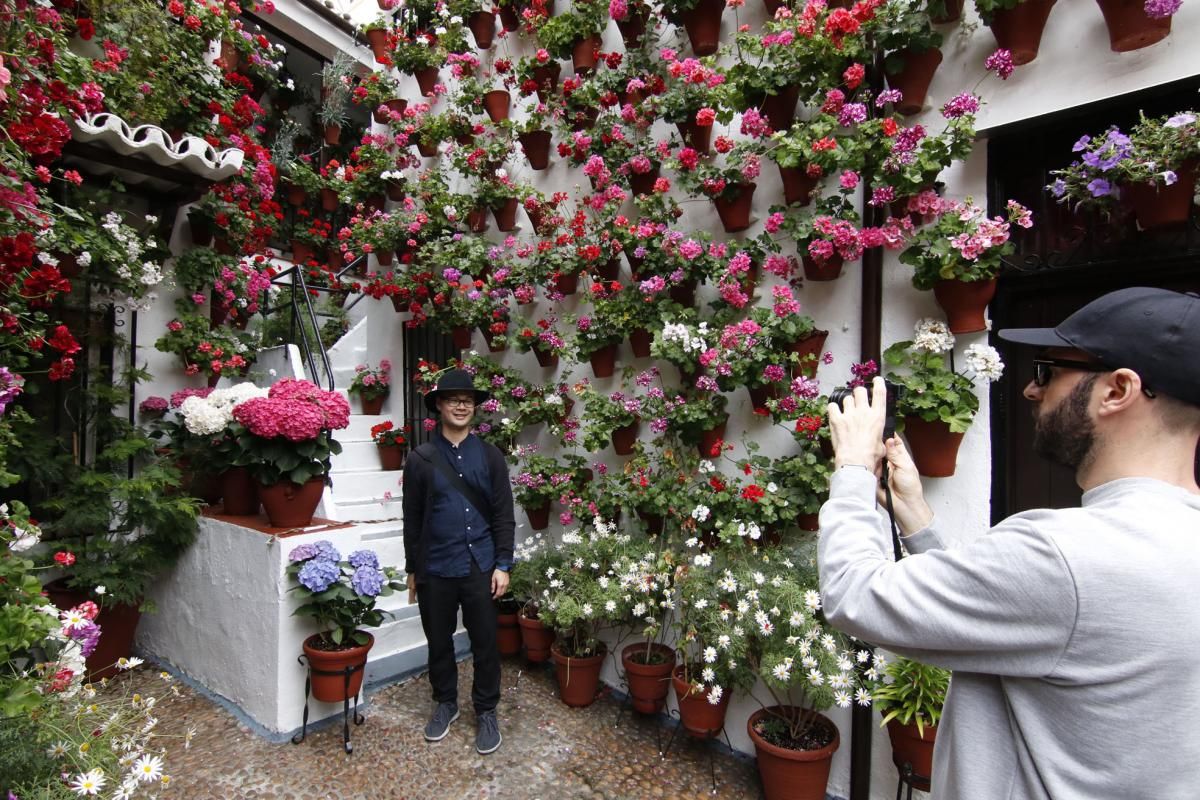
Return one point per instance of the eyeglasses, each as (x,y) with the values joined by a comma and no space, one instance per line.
(460,402)
(1042,373)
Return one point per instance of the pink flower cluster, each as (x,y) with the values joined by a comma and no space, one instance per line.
(296,410)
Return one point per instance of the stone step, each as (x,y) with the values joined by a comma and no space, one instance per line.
(357,455)
(371,509)
(351,485)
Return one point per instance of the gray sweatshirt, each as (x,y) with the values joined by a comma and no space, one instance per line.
(1073,634)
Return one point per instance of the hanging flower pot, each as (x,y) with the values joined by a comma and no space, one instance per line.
(698,717)
(965,303)
(427,149)
(377,40)
(711,439)
(391,456)
(1130,27)
(604,361)
(477,219)
(578,678)
(302,252)
(372,406)
(494,344)
(643,182)
(780,108)
(230,57)
(535,219)
(328,669)
(506,215)
(483,28)
(566,283)
(1160,206)
(290,505)
(648,673)
(809,349)
(239,492)
(654,522)
(950,11)
(697,137)
(461,337)
(787,773)
(329,199)
(395,191)
(547,359)
(496,103)
(536,145)
(624,437)
(684,293)
(934,448)
(734,210)
(913,748)
(797,186)
(639,342)
(772,6)
(583,54)
(584,119)
(912,79)
(201,228)
(703,25)
(389,109)
(546,77)
(539,518)
(1019,29)
(759,395)
(609,271)
(295,195)
(222,245)
(536,637)
(827,269)
(510,20)
(633,27)
(426,80)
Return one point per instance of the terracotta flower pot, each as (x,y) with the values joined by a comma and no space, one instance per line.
(633,27)
(797,186)
(1019,29)
(537,639)
(792,774)
(624,438)
(536,145)
(952,13)
(566,284)
(296,196)
(913,79)
(759,395)
(697,137)
(396,191)
(461,337)
(290,505)
(508,634)
(1129,27)
(1163,206)
(201,228)
(809,522)
(496,103)
(578,678)
(735,211)
(329,199)
(934,448)
(965,303)
(544,359)
(698,717)
(539,518)
(118,624)
(583,54)
(546,77)
(604,361)
(427,149)
(506,215)
(477,220)
(703,26)
(648,683)
(391,456)
(829,269)
(654,522)
(809,349)
(711,439)
(230,57)
(609,271)
(239,492)
(639,342)
(426,79)
(684,293)
(913,749)
(780,109)
(510,18)
(328,669)
(643,183)
(332,134)
(372,406)
(302,251)
(390,108)
(377,40)
(483,28)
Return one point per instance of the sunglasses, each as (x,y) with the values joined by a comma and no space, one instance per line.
(1042,373)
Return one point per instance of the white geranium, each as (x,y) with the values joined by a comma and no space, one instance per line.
(933,335)
(984,361)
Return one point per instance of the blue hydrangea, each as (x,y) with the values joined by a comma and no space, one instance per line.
(326,551)
(302,552)
(364,558)
(318,574)
(367,581)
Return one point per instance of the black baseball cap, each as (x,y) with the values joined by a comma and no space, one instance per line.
(1154,332)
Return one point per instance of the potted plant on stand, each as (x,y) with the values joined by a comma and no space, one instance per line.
(937,402)
(910,696)
(372,385)
(341,596)
(648,665)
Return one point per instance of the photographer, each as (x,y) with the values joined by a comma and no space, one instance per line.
(1073,634)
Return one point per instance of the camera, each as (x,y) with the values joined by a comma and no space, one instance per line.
(894,392)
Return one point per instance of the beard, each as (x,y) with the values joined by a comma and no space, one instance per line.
(1066,434)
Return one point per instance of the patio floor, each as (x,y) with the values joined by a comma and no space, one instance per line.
(549,751)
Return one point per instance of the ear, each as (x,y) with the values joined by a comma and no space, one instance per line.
(1118,392)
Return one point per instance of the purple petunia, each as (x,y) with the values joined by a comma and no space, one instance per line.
(367,581)
(1100,188)
(363,558)
(318,574)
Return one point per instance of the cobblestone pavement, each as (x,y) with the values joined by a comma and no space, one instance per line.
(549,751)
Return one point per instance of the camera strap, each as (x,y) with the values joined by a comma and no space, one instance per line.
(897,550)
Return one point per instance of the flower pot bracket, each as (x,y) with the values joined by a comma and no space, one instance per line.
(346,673)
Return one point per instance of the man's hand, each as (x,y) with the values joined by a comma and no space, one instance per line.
(857,427)
(908,499)
(412,588)
(499,583)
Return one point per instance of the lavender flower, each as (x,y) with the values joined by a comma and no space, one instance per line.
(1100,188)
(1179,120)
(318,575)
(327,552)
(302,552)
(367,581)
(364,558)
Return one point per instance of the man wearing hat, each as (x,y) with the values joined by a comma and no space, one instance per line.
(1073,634)
(458,549)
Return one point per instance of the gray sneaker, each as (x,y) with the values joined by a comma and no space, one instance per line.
(488,738)
(439,723)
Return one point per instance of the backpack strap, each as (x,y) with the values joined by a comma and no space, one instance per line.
(437,458)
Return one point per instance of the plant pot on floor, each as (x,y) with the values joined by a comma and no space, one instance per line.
(648,681)
(391,456)
(965,303)
(508,633)
(118,624)
(537,639)
(239,492)
(330,683)
(536,145)
(789,774)
(1130,27)
(578,678)
(290,505)
(913,77)
(1019,29)
(913,749)
(933,447)
(699,718)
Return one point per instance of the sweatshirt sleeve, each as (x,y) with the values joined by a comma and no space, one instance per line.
(1004,603)
(503,522)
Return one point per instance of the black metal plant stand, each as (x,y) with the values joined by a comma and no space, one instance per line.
(910,779)
(712,767)
(346,674)
(627,705)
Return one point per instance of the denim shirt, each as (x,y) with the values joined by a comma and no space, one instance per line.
(459,532)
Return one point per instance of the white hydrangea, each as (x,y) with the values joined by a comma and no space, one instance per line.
(202,418)
(984,361)
(933,335)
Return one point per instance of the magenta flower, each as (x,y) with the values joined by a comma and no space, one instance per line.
(1001,62)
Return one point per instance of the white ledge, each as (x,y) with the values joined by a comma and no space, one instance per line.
(191,153)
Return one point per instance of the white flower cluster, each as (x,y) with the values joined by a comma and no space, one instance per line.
(205,416)
(933,335)
(984,361)
(678,332)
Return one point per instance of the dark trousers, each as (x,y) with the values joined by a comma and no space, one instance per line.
(439,600)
